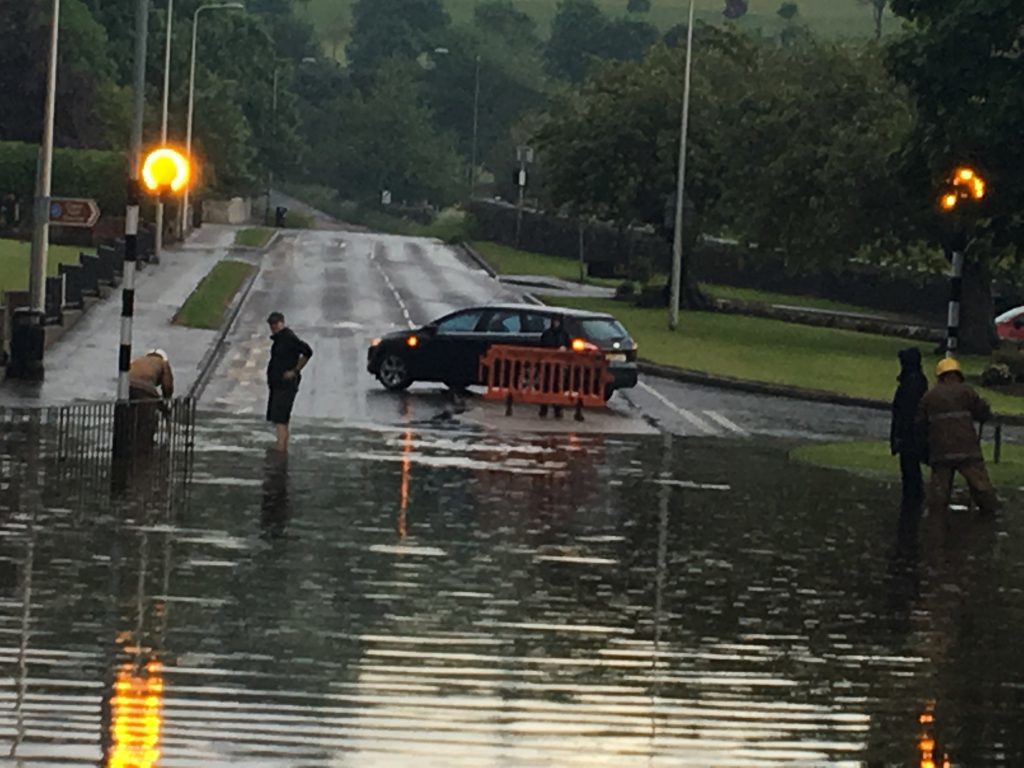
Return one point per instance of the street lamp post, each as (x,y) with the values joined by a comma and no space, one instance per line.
(964,188)
(476,130)
(192,92)
(158,242)
(677,242)
(41,219)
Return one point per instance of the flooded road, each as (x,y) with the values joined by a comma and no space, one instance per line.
(455,598)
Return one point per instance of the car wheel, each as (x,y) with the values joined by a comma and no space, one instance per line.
(394,373)
(608,392)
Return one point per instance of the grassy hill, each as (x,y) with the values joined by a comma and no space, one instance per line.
(830,18)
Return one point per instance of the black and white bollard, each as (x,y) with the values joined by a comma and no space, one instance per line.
(956,293)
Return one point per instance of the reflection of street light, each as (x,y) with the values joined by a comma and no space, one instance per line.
(965,187)
(677,241)
(192,90)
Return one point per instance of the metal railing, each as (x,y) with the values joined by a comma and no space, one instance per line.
(79,451)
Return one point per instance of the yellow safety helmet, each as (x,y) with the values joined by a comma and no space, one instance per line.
(948,365)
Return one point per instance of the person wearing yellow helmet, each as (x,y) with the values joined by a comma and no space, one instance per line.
(949,412)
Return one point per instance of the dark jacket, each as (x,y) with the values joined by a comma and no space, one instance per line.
(555,337)
(949,411)
(907,436)
(284,356)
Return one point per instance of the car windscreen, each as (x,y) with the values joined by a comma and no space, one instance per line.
(598,329)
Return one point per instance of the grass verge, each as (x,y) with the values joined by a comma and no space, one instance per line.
(512,261)
(874,459)
(791,300)
(254,237)
(774,352)
(206,306)
(14,262)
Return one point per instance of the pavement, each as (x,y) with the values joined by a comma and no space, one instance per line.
(82,365)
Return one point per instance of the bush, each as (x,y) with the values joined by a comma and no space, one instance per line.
(995,375)
(653,296)
(641,270)
(1011,358)
(625,291)
(76,173)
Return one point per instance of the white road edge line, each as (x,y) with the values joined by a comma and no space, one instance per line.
(695,420)
(394,291)
(726,422)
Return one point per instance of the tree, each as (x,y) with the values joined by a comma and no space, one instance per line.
(878,11)
(385,139)
(962,66)
(789,11)
(581,33)
(388,29)
(502,19)
(90,105)
(638,6)
(735,9)
(789,147)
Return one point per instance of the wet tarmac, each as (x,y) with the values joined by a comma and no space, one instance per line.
(456,597)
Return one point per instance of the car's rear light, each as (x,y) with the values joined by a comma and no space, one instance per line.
(582,345)
(413,341)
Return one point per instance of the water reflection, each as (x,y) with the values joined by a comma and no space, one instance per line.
(276,508)
(551,601)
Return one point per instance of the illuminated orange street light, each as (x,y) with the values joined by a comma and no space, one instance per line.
(966,184)
(166,170)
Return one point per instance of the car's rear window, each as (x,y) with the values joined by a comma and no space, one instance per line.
(602,329)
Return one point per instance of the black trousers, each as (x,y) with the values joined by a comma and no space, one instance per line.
(913,479)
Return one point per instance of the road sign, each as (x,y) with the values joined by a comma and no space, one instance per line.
(74,212)
(524,154)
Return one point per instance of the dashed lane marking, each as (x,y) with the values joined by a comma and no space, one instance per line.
(394,291)
(726,422)
(692,418)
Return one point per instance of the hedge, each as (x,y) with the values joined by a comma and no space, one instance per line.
(94,173)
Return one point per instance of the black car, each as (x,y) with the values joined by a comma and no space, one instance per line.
(449,349)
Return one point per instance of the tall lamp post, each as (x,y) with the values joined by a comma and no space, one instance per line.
(677,241)
(192,92)
(476,130)
(965,187)
(158,242)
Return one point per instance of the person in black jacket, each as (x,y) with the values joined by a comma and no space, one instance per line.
(906,438)
(288,356)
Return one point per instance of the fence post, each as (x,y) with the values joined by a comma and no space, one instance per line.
(998,452)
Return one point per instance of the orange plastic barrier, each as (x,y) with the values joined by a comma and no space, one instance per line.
(541,376)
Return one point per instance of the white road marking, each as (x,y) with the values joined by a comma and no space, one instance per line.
(695,420)
(394,291)
(726,422)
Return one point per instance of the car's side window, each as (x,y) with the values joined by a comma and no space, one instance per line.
(464,322)
(535,323)
(504,321)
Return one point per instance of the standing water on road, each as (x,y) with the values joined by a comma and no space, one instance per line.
(447,598)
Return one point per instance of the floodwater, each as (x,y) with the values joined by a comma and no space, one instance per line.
(444,598)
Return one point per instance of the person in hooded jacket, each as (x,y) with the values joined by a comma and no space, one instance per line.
(907,438)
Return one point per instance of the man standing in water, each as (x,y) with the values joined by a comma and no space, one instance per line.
(949,411)
(288,356)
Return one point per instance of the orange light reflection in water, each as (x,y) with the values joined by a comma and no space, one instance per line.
(403,505)
(136,717)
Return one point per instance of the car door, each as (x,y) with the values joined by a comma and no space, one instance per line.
(453,350)
(534,325)
(499,326)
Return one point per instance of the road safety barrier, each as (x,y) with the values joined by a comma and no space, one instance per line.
(545,377)
(68,452)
